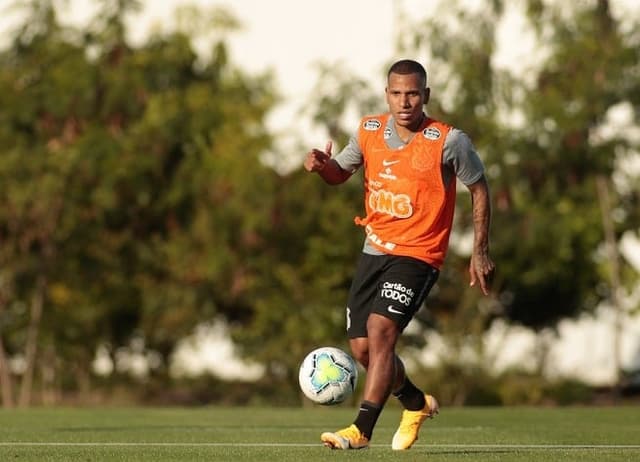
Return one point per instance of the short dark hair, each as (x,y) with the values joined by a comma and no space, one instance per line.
(408,66)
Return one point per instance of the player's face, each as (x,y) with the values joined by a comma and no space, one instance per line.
(406,96)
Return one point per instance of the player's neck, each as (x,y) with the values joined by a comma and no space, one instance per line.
(406,133)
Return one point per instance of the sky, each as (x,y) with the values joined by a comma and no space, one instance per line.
(286,35)
(289,37)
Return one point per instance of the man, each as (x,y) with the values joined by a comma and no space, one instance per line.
(411,163)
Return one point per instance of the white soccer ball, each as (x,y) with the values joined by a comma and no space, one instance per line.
(328,375)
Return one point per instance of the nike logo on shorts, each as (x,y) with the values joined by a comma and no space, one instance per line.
(392,310)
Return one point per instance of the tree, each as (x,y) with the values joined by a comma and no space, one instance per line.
(306,271)
(135,196)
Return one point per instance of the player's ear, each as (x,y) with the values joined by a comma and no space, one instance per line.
(427,93)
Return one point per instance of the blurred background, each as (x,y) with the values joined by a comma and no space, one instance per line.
(160,243)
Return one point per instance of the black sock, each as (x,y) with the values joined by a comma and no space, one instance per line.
(367,417)
(410,396)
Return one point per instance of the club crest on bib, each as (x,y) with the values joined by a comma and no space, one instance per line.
(431,133)
(372,124)
(421,162)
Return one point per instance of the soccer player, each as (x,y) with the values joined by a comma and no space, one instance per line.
(411,163)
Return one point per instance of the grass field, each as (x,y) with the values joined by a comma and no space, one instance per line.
(275,434)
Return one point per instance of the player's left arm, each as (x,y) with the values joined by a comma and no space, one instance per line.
(481,267)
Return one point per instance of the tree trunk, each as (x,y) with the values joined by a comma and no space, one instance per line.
(31,348)
(48,367)
(6,384)
(614,273)
(6,381)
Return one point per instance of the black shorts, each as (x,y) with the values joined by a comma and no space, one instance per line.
(389,285)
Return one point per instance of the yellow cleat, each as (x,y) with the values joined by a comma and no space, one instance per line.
(407,432)
(347,438)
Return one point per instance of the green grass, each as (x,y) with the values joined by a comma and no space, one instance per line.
(275,434)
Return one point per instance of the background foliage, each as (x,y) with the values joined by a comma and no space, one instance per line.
(137,206)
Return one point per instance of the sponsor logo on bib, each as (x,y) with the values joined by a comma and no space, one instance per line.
(431,133)
(372,124)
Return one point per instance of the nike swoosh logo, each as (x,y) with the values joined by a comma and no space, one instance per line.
(391,309)
(387,163)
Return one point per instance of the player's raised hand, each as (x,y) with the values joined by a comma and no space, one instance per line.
(316,160)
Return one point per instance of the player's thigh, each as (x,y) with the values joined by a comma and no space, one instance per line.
(363,292)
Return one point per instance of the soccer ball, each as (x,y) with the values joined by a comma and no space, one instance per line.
(328,375)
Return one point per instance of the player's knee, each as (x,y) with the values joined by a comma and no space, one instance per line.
(362,358)
(382,331)
(360,351)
